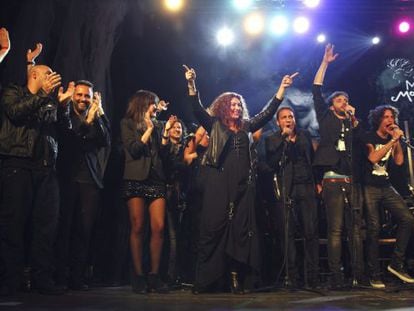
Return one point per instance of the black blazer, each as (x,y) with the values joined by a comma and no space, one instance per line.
(274,149)
(139,157)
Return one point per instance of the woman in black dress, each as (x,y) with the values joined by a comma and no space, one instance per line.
(145,184)
(228,239)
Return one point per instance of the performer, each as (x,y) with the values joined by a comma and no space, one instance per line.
(289,153)
(228,240)
(338,160)
(145,184)
(383,143)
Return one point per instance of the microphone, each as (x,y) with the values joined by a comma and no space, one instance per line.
(402,138)
(349,113)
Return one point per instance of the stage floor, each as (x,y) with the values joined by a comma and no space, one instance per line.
(121,298)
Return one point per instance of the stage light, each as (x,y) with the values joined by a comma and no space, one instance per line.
(254,24)
(173,5)
(301,24)
(242,4)
(311,3)
(321,38)
(376,40)
(225,36)
(404,27)
(279,25)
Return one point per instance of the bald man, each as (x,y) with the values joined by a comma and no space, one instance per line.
(30,116)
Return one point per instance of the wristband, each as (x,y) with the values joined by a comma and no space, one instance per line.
(165,137)
(30,63)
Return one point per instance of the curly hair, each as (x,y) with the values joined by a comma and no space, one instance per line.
(138,105)
(220,108)
(375,115)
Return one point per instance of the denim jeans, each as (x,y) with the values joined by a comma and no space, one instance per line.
(343,206)
(388,198)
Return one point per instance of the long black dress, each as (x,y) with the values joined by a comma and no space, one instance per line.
(228,229)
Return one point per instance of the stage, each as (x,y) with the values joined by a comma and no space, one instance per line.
(122,298)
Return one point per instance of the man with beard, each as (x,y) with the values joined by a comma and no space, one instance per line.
(382,143)
(289,153)
(338,162)
(81,170)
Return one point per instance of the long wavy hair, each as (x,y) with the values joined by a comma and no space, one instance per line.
(138,105)
(375,115)
(220,108)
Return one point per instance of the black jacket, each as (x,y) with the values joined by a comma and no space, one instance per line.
(274,149)
(219,133)
(89,141)
(326,156)
(139,157)
(27,119)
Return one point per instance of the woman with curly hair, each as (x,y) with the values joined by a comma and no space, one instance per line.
(228,238)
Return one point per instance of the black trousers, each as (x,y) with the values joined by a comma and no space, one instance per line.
(302,214)
(388,198)
(79,207)
(29,201)
(343,203)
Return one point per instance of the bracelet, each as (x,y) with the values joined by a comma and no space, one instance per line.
(165,137)
(30,63)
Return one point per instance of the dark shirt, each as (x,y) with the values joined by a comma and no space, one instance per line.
(302,171)
(339,149)
(376,174)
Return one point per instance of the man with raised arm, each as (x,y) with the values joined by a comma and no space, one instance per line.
(338,162)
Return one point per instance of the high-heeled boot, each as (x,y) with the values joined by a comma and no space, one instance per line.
(235,286)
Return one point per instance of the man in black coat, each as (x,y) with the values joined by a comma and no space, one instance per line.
(29,204)
(81,165)
(289,153)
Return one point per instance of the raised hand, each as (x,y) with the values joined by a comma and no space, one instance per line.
(32,55)
(288,79)
(171,120)
(329,55)
(97,101)
(64,97)
(93,109)
(190,73)
(51,82)
(162,106)
(4,43)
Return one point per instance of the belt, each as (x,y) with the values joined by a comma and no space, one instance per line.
(346,180)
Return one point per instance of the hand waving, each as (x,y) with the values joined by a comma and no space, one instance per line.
(64,97)
(329,55)
(4,43)
(32,55)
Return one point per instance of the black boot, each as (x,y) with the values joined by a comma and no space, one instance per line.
(235,286)
(138,283)
(156,285)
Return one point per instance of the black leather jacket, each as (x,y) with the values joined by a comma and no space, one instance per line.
(219,133)
(26,118)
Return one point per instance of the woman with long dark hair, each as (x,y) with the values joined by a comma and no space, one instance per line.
(145,184)
(228,238)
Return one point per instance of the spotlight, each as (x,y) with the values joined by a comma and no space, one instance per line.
(254,24)
(321,38)
(311,3)
(279,25)
(301,24)
(242,4)
(225,36)
(173,5)
(375,40)
(404,27)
